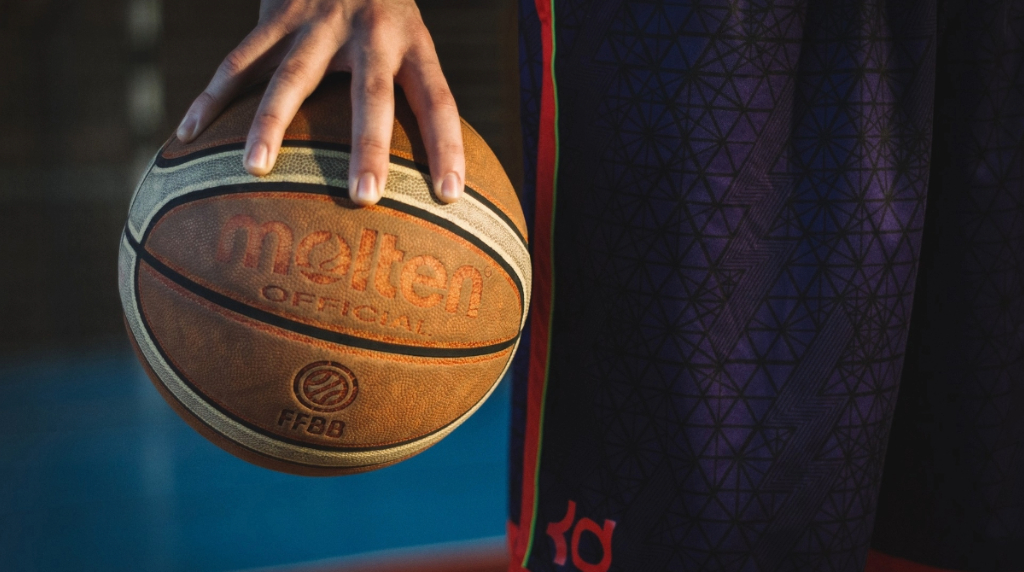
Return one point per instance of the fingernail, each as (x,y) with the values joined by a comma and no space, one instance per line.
(258,156)
(366,189)
(186,129)
(451,187)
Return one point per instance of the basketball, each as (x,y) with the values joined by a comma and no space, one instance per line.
(306,334)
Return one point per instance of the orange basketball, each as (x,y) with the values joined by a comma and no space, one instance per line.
(306,334)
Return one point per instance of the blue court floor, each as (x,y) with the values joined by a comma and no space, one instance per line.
(98,473)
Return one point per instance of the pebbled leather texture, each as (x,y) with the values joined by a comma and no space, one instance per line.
(301,332)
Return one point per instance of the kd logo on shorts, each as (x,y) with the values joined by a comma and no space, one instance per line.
(558,530)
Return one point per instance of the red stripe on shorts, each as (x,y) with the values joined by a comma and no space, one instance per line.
(543,291)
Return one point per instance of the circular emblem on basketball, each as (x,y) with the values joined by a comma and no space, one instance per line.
(326,386)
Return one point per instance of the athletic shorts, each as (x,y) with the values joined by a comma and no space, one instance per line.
(754,225)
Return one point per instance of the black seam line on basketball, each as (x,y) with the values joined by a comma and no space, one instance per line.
(271,187)
(313,331)
(273,436)
(188,382)
(318,189)
(164,163)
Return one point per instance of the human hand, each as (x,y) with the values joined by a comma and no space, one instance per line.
(380,42)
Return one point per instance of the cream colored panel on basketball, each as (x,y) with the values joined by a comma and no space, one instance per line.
(326,167)
(238,432)
(294,165)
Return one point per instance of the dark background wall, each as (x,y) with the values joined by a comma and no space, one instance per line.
(88,91)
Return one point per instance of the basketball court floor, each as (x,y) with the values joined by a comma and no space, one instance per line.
(98,473)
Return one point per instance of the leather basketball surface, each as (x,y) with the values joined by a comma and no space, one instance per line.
(306,334)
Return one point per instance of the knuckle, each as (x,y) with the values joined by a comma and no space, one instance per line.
(274,28)
(378,86)
(372,146)
(206,99)
(290,10)
(269,120)
(419,37)
(376,56)
(293,74)
(375,16)
(380,44)
(329,11)
(452,148)
(441,98)
(234,64)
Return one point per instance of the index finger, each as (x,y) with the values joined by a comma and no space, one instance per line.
(233,74)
